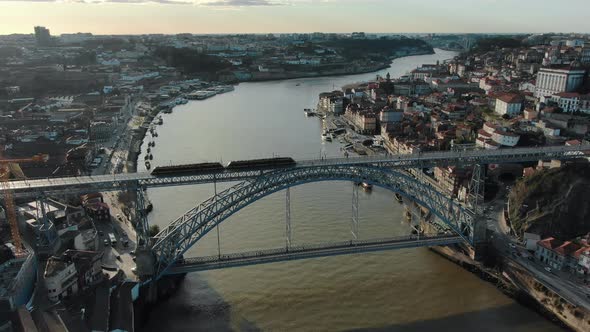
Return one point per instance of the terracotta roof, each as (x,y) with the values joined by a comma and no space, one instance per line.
(528,171)
(560,247)
(511,98)
(484,133)
(550,243)
(568,95)
(573,142)
(583,249)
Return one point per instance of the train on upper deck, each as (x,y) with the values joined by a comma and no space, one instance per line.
(201,168)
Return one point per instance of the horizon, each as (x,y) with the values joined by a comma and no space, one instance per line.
(139,17)
(294,33)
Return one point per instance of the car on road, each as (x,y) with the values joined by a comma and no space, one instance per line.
(512,245)
(106,243)
(548,269)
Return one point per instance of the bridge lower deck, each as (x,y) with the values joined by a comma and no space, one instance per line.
(309,251)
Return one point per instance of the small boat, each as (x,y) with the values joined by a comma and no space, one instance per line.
(398,198)
(151,157)
(148,165)
(298,84)
(367,186)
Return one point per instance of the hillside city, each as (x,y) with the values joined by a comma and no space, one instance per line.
(89,105)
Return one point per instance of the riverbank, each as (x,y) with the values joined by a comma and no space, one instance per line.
(520,285)
(139,137)
(347,70)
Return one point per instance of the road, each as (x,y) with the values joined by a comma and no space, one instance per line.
(116,151)
(516,255)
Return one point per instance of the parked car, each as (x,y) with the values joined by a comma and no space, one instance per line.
(547,268)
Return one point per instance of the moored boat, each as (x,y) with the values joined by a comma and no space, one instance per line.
(398,198)
(367,186)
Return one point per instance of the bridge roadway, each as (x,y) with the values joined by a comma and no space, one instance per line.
(114,182)
(309,251)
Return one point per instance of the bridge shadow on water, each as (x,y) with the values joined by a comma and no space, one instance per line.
(507,318)
(197,306)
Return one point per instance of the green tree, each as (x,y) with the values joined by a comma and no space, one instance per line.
(154,230)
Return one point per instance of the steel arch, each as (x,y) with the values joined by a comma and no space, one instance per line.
(173,241)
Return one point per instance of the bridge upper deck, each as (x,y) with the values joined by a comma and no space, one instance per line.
(26,188)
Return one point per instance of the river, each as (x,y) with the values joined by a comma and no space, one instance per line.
(403,290)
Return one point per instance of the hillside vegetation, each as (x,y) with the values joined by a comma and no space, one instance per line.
(554,202)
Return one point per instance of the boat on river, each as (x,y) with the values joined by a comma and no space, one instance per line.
(398,198)
(367,186)
(201,95)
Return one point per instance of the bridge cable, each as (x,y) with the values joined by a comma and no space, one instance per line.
(288,218)
(355,211)
(217,227)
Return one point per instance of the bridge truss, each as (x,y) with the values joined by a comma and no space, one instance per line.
(178,237)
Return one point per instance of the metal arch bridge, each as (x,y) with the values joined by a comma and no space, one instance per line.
(178,237)
(174,240)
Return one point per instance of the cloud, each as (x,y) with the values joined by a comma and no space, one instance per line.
(165,2)
(210,3)
(242,3)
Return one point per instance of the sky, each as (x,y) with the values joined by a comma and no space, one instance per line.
(283,16)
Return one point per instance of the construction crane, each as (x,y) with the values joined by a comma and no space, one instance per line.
(5,170)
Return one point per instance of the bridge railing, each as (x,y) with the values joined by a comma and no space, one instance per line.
(311,247)
(469,156)
(575,150)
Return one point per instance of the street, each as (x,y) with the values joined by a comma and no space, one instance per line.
(515,254)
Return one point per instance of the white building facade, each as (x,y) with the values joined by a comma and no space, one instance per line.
(61,279)
(509,104)
(551,81)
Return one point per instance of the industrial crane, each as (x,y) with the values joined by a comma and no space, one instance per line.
(8,196)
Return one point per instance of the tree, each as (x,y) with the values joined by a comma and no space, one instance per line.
(154,230)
